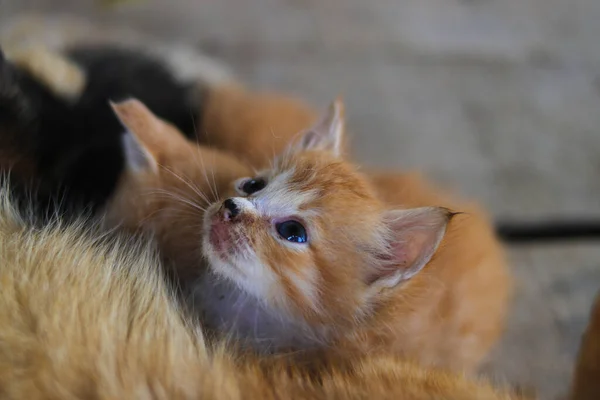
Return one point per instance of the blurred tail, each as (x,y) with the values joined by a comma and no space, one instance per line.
(586,381)
(513,232)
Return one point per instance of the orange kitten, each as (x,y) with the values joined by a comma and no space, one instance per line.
(470,269)
(311,254)
(314,255)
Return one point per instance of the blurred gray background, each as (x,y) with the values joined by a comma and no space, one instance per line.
(497,98)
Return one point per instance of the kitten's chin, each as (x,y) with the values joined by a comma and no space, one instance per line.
(233,312)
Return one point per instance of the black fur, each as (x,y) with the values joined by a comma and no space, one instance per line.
(548,231)
(77,146)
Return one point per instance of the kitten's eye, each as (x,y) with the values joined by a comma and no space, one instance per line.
(253,185)
(292,231)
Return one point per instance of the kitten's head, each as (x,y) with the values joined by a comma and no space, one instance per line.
(309,237)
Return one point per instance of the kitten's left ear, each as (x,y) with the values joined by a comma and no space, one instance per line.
(139,122)
(328,133)
(412,238)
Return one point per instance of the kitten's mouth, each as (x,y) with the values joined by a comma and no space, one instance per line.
(219,235)
(224,238)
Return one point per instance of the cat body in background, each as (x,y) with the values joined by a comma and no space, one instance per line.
(83,317)
(60,140)
(313,254)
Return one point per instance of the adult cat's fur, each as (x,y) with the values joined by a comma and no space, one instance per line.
(85,317)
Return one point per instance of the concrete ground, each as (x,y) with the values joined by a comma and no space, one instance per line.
(498,98)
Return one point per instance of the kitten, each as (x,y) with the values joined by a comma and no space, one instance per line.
(313,254)
(86,318)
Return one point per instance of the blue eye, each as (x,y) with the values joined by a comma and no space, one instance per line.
(292,231)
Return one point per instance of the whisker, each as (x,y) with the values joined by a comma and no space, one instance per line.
(189,184)
(180,198)
(212,170)
(196,131)
(198,157)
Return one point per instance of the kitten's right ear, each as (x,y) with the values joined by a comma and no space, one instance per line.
(135,117)
(327,134)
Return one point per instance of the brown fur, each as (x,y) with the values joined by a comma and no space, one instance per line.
(449,315)
(586,383)
(86,318)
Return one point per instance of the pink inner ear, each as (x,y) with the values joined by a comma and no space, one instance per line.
(415,236)
(310,140)
(327,133)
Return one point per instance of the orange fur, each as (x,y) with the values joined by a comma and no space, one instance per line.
(253,126)
(82,317)
(467,283)
(324,295)
(586,383)
(456,309)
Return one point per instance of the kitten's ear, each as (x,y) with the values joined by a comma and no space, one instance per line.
(137,157)
(328,133)
(412,238)
(140,124)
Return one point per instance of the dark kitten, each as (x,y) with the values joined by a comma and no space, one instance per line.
(69,151)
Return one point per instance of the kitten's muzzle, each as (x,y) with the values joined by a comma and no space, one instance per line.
(231,209)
